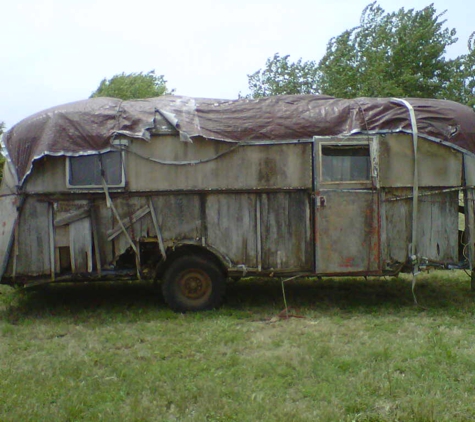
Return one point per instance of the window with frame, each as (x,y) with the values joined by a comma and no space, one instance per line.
(86,171)
(345,163)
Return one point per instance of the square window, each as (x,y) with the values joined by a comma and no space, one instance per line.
(345,163)
(85,171)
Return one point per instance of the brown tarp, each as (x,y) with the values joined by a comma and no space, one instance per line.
(90,125)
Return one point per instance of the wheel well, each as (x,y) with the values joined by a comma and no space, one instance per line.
(194,250)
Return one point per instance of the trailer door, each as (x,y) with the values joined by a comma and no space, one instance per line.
(347,234)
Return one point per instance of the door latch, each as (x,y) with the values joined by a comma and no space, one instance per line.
(321,201)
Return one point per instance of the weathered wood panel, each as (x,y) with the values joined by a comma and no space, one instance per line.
(33,239)
(231,226)
(286,231)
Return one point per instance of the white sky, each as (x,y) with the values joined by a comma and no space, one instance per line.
(57,51)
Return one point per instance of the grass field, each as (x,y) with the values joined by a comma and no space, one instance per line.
(358,351)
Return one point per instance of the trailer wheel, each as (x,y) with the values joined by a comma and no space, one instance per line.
(192,283)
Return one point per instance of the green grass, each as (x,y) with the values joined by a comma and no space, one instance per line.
(362,352)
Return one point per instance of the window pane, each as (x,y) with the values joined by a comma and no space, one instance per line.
(345,163)
(86,170)
(112,163)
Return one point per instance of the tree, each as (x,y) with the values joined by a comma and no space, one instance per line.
(283,77)
(399,54)
(132,86)
(461,87)
(394,54)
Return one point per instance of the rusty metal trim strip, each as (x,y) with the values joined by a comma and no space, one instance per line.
(433,192)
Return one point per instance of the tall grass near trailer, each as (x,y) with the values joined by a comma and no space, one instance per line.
(361,351)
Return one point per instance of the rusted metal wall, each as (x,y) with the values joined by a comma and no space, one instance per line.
(254,204)
(283,166)
(233,223)
(347,232)
(437,164)
(245,167)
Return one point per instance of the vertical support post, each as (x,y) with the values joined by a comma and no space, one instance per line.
(314,204)
(95,240)
(469,199)
(258,234)
(52,260)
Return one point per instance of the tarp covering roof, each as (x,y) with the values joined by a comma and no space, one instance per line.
(91,125)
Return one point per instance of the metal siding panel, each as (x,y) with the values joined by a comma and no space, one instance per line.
(247,167)
(178,216)
(439,165)
(347,232)
(286,231)
(398,223)
(231,224)
(437,221)
(126,206)
(105,222)
(8,219)
(437,234)
(469,164)
(80,235)
(48,175)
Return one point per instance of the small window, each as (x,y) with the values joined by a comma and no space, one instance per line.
(85,171)
(346,163)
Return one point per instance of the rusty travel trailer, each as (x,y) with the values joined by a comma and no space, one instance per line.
(192,191)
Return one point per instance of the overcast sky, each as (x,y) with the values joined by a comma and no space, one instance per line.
(57,51)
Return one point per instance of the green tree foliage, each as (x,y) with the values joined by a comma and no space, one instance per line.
(393,54)
(399,54)
(461,87)
(280,76)
(132,86)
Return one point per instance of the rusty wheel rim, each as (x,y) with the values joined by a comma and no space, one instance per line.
(195,285)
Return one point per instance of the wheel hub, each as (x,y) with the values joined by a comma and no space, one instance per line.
(195,285)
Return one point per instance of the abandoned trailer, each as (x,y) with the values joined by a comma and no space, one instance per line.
(192,191)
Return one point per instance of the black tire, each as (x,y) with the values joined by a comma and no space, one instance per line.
(192,283)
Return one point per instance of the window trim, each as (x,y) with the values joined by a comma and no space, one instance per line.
(100,186)
(356,140)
